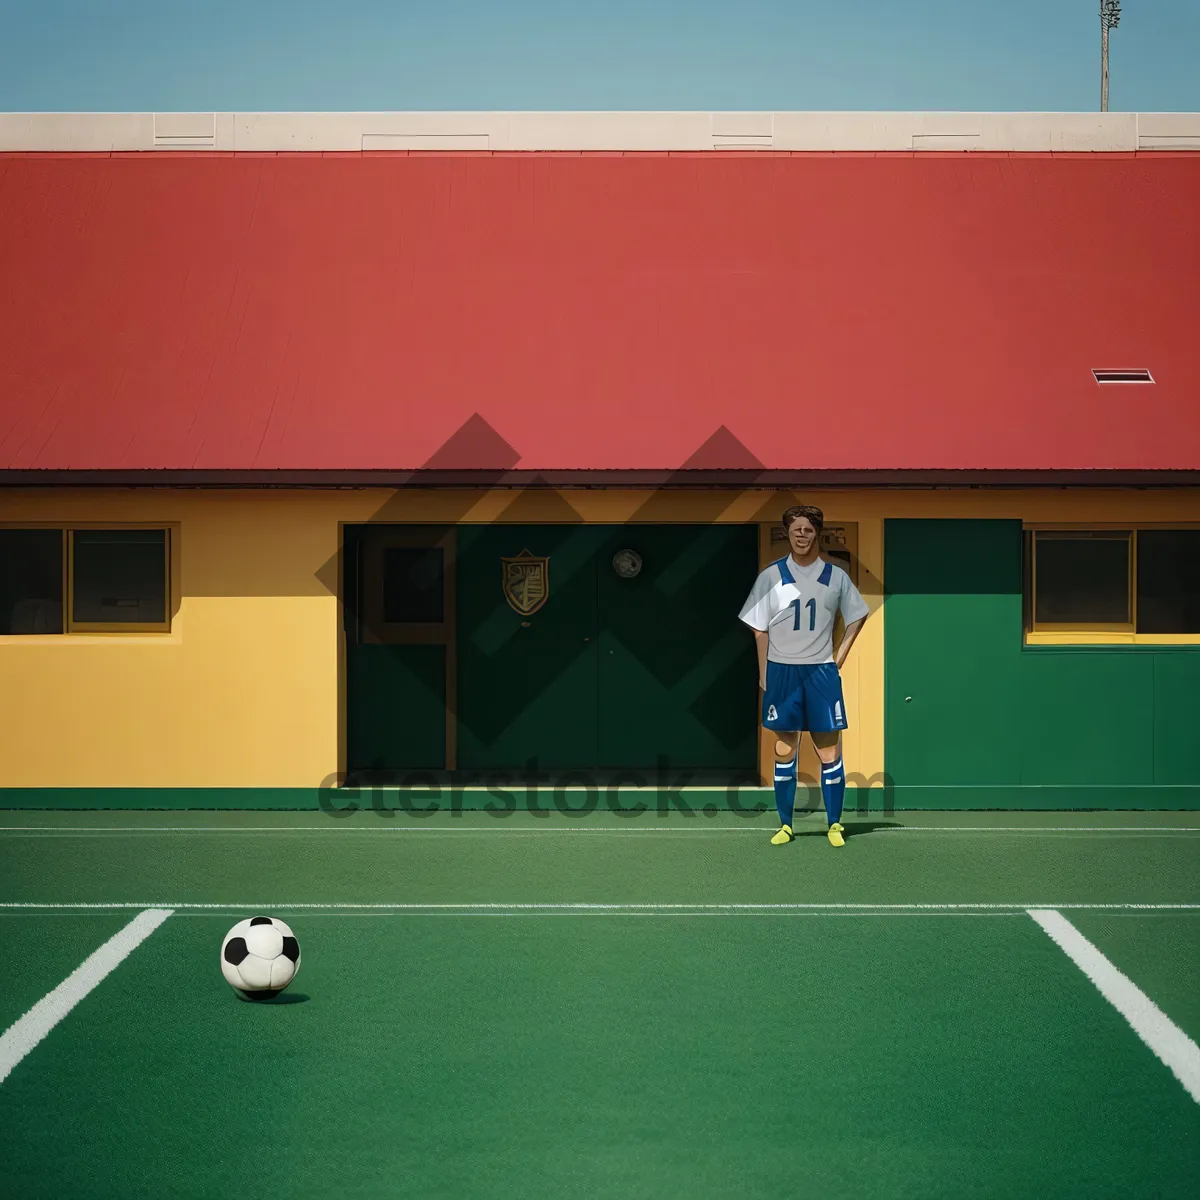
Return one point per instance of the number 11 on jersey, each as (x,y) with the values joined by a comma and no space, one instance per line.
(811,605)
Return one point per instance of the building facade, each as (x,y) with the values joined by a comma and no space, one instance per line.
(318,456)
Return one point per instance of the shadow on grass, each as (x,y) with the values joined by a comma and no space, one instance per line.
(852,828)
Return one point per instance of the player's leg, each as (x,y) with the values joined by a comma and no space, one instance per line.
(833,781)
(827,718)
(782,716)
(786,744)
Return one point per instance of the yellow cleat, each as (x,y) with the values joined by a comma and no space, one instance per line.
(835,835)
(783,836)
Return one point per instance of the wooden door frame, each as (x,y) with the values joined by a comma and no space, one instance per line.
(374,541)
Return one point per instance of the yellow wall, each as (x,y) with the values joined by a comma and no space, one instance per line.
(244,690)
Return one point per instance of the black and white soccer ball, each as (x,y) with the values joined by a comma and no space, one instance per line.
(260,957)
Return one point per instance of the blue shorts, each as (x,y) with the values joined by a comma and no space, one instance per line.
(804,696)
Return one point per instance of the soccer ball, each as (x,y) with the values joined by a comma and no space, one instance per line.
(259,957)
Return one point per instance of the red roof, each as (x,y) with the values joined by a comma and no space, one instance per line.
(565,312)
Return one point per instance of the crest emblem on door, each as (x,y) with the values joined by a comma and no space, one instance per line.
(526,582)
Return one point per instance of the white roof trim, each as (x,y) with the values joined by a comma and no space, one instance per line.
(611,131)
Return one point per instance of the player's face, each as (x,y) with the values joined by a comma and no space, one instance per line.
(802,536)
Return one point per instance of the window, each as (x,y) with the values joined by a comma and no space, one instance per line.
(31,581)
(1168,581)
(1083,578)
(399,582)
(1116,585)
(412,583)
(84,580)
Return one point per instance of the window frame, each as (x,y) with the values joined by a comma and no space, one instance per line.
(1045,633)
(68,529)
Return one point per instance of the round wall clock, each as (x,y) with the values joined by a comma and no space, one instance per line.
(627,563)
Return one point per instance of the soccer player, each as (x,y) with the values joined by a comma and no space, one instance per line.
(792,608)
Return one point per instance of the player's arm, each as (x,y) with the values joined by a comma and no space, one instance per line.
(849,634)
(756,614)
(761,639)
(854,612)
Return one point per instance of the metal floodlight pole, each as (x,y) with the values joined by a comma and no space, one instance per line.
(1110,17)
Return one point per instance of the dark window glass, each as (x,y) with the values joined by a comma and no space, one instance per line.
(412,583)
(119,575)
(31,580)
(1168,581)
(1082,578)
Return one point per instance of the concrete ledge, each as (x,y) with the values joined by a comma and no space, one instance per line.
(461,132)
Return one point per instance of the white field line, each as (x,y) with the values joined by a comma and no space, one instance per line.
(51,830)
(24,1034)
(667,916)
(1150,1023)
(583,906)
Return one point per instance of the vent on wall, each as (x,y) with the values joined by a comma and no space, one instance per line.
(185,131)
(1122,377)
(426,141)
(742,141)
(742,131)
(946,141)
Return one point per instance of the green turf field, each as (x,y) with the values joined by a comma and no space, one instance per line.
(603,1007)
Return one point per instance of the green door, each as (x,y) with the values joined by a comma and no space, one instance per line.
(677,673)
(609,671)
(952,653)
(527,682)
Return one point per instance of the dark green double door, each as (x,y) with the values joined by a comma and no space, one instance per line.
(610,671)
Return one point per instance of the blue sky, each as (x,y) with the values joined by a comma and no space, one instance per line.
(255,55)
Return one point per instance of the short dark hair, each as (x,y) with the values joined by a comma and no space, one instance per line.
(815,516)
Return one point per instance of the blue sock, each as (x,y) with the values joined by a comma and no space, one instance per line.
(785,789)
(833,789)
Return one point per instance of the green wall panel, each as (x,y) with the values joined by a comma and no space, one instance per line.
(338,803)
(974,718)
(1176,717)
(396,707)
(677,673)
(1085,716)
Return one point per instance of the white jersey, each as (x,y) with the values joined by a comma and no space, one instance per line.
(798,606)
